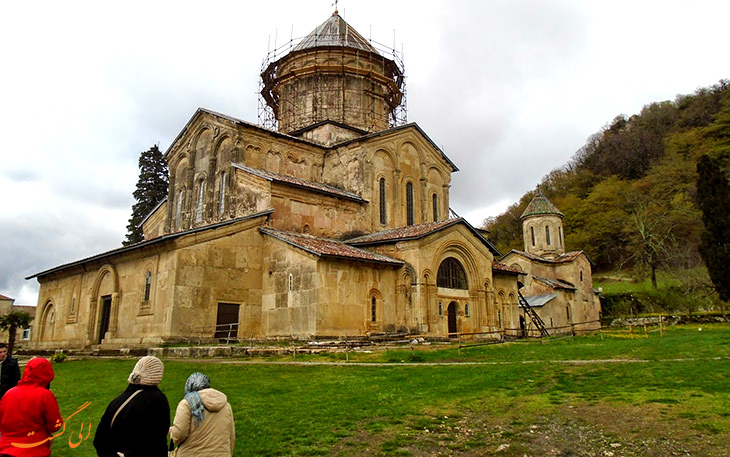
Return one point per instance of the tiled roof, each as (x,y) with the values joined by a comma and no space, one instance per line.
(497,266)
(160,239)
(540,205)
(563,258)
(335,32)
(555,283)
(3,297)
(410,232)
(296,182)
(414,232)
(328,248)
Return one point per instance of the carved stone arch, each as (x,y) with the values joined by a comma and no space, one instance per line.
(104,290)
(387,156)
(219,146)
(374,307)
(410,144)
(176,159)
(47,320)
(462,253)
(199,132)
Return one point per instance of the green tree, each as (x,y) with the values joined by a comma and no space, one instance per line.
(12,322)
(151,190)
(713,195)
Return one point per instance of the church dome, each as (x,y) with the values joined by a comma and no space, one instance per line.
(335,32)
(540,206)
(332,74)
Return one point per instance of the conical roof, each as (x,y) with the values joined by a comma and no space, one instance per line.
(335,32)
(540,205)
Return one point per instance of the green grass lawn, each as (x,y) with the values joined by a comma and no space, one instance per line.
(588,394)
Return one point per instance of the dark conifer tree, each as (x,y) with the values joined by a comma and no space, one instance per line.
(713,194)
(151,190)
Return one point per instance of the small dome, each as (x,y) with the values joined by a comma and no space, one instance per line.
(540,205)
(335,32)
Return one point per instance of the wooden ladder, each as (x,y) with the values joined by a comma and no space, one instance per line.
(533,315)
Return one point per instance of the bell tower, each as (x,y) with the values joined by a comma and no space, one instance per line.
(542,228)
(332,74)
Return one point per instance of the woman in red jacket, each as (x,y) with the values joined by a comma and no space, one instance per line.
(29,413)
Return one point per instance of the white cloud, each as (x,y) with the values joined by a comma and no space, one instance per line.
(510,90)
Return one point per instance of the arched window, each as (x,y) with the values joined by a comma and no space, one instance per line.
(532,235)
(291,282)
(581,275)
(451,275)
(373,310)
(199,209)
(441,309)
(178,209)
(547,235)
(147,285)
(409,204)
(222,193)
(466,309)
(560,236)
(383,211)
(435,201)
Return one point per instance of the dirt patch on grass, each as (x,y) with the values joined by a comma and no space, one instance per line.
(599,430)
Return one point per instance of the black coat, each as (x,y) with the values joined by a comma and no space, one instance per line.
(140,429)
(10,374)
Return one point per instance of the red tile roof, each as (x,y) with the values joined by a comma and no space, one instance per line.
(328,248)
(410,232)
(3,297)
(296,182)
(497,266)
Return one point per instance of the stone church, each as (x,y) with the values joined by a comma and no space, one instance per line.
(557,285)
(331,221)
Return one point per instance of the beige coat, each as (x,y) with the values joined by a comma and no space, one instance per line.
(215,436)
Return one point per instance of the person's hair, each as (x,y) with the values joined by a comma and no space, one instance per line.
(3,345)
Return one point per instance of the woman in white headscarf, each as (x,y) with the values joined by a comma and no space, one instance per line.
(203,424)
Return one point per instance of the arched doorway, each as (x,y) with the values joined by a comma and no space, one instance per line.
(451,312)
(106,311)
(47,322)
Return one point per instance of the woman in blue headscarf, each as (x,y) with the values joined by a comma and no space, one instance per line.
(203,424)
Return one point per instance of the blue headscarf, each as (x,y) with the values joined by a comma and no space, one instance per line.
(196,382)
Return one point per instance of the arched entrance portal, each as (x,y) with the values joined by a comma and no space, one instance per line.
(451,313)
(106,311)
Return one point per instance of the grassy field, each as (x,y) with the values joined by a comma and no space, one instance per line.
(596,395)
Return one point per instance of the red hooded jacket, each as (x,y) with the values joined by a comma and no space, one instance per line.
(29,412)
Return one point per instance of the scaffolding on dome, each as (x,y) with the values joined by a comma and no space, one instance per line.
(271,108)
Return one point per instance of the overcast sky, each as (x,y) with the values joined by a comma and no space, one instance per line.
(509,89)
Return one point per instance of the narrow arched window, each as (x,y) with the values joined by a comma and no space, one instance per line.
(435,202)
(178,209)
(581,275)
(409,204)
(547,235)
(451,275)
(532,235)
(373,310)
(222,203)
(147,285)
(383,210)
(466,309)
(560,236)
(291,282)
(441,309)
(199,209)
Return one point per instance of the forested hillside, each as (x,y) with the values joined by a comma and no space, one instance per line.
(629,195)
